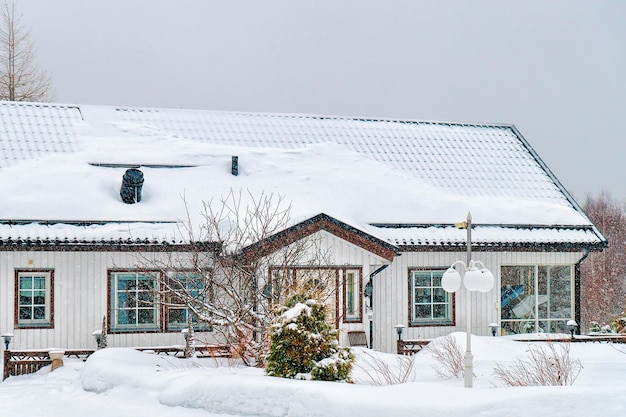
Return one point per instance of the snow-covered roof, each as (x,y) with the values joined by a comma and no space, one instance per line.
(61,168)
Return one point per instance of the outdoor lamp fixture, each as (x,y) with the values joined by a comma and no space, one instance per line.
(474,279)
(369,289)
(7,339)
(493,327)
(571,326)
(399,328)
(97,335)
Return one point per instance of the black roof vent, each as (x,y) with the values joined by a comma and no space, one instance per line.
(132,182)
(234,165)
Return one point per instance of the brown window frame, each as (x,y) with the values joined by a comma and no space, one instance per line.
(168,305)
(112,326)
(340,284)
(451,301)
(358,295)
(48,323)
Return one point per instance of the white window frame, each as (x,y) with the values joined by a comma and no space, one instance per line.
(352,295)
(204,293)
(150,303)
(435,291)
(48,280)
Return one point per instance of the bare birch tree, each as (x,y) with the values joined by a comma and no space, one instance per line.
(20,78)
(603,274)
(232,291)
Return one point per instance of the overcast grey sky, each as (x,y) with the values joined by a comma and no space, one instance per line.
(555,69)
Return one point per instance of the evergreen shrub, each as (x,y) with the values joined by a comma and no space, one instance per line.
(304,346)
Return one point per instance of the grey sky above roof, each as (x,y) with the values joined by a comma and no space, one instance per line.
(554,69)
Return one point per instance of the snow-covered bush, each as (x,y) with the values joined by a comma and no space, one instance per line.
(449,355)
(594,327)
(384,369)
(304,346)
(619,324)
(548,364)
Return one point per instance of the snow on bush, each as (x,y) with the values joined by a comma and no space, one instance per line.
(548,364)
(304,346)
(383,369)
(449,356)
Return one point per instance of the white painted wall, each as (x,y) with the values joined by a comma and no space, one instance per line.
(391,297)
(80,294)
(80,299)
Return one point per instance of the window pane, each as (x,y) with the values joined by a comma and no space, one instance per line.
(437,280)
(39,297)
(439,311)
(439,295)
(560,292)
(423,295)
(26,298)
(39,283)
(122,317)
(39,313)
(33,298)
(422,280)
(430,302)
(146,316)
(177,316)
(532,295)
(125,282)
(26,283)
(25,313)
(423,312)
(135,299)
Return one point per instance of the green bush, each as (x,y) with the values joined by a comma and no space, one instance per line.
(304,346)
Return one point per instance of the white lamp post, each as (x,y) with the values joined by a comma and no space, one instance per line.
(571,326)
(6,338)
(474,279)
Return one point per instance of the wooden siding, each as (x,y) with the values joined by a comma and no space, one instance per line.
(391,298)
(80,294)
(81,297)
(344,254)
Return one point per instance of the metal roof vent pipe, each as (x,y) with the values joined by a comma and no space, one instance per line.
(234,167)
(132,182)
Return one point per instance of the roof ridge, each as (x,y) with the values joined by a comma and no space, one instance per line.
(316,116)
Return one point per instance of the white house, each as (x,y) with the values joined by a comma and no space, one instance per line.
(383,196)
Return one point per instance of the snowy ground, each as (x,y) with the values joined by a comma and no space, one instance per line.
(124,382)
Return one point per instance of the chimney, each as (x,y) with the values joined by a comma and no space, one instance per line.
(132,182)
(234,168)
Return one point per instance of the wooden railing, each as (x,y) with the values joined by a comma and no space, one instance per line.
(411,347)
(595,338)
(21,362)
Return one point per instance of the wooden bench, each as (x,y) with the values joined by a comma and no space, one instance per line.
(357,339)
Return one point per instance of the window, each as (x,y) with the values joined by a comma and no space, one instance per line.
(134,301)
(430,304)
(352,295)
(339,288)
(536,298)
(185,289)
(34,298)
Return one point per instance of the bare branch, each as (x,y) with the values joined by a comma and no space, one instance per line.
(20,79)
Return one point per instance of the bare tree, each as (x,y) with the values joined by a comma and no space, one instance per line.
(232,291)
(20,78)
(603,274)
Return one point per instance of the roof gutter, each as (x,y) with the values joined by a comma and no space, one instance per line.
(577,275)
